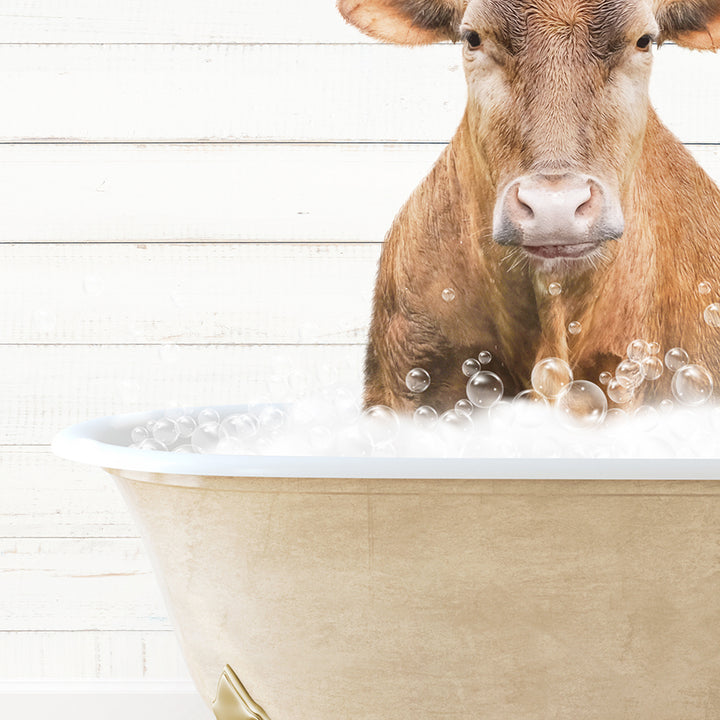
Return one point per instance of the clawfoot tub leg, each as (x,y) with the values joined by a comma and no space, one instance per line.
(233,702)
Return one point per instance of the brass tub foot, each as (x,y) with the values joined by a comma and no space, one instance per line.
(232,700)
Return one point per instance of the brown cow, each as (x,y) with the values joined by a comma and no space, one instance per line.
(560,171)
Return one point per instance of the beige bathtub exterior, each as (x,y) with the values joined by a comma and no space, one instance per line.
(420,599)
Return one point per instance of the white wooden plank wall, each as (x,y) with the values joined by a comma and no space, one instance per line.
(193,197)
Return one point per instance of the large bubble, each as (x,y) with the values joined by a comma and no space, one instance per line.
(692,385)
(652,367)
(551,377)
(417,380)
(630,371)
(638,350)
(531,408)
(711,314)
(675,358)
(583,405)
(470,367)
(484,389)
(425,417)
(380,424)
(619,391)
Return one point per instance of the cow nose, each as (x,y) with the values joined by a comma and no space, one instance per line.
(552,210)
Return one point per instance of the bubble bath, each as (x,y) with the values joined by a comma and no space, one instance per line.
(558,417)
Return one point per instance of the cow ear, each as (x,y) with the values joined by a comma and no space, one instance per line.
(690,23)
(405,22)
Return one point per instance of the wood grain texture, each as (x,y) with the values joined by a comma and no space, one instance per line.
(45,388)
(78,584)
(214,193)
(42,496)
(91,654)
(209,292)
(295,93)
(206,193)
(173,21)
(160,93)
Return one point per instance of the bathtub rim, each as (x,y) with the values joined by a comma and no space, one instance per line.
(90,443)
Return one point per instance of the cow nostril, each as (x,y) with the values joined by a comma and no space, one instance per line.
(584,209)
(523,207)
(587,208)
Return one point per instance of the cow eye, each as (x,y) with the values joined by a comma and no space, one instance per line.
(644,42)
(472,39)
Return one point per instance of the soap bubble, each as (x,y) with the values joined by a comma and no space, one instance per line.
(619,391)
(186,425)
(551,377)
(271,419)
(166,431)
(175,413)
(712,314)
(638,350)
(605,377)
(208,415)
(692,385)
(464,407)
(652,367)
(531,408)
(470,367)
(417,380)
(239,426)
(448,294)
(484,357)
(298,383)
(615,417)
(502,415)
(583,405)
(675,358)
(276,386)
(345,405)
(425,417)
(184,449)
(484,389)
(352,442)
(205,437)
(574,328)
(704,288)
(630,371)
(554,288)
(327,374)
(452,421)
(653,348)
(647,418)
(139,433)
(321,438)
(666,406)
(380,424)
(152,444)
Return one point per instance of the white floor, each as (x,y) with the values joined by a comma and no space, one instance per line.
(109,700)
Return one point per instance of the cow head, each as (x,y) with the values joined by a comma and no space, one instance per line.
(557,102)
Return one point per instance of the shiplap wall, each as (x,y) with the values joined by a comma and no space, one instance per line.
(192,200)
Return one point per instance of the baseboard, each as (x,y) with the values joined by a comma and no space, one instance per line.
(101,700)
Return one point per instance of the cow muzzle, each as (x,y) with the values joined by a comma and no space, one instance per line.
(557,216)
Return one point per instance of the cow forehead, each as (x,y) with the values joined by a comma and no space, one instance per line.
(603,22)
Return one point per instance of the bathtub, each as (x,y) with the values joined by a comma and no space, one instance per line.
(332,588)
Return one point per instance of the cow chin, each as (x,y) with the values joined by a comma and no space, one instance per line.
(574,256)
(560,253)
(553,258)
